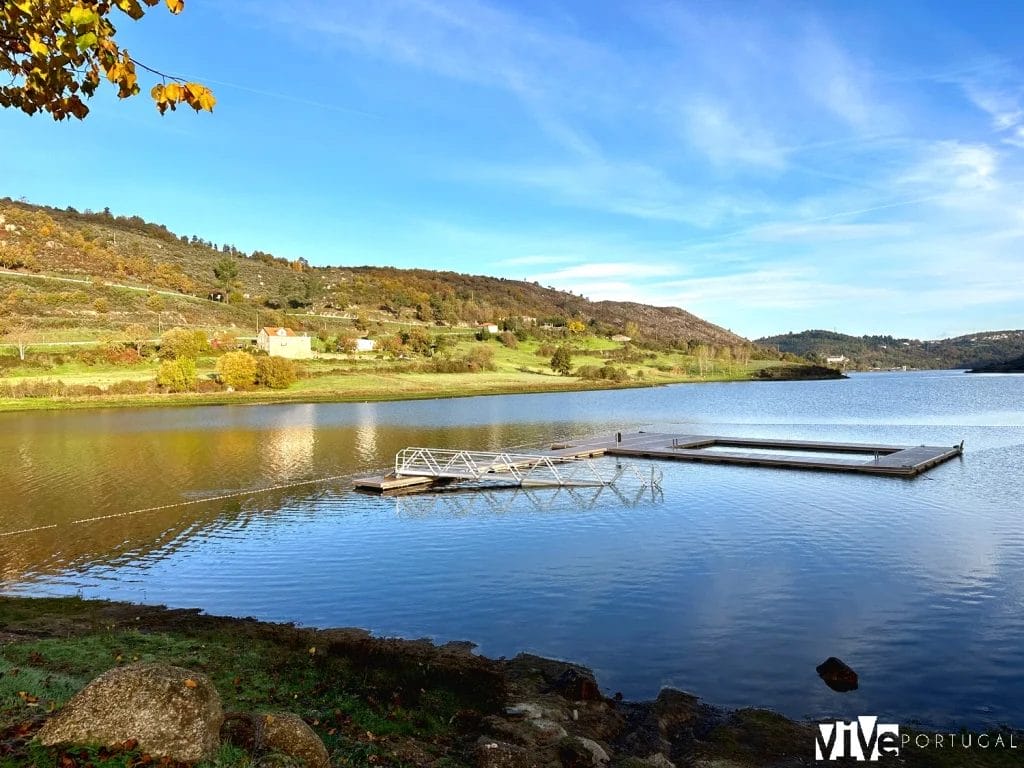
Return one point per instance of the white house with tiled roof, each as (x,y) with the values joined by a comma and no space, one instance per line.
(284,342)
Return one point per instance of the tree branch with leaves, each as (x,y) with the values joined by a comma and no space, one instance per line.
(57,52)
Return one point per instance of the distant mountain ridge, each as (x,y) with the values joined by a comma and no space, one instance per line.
(866,352)
(100,248)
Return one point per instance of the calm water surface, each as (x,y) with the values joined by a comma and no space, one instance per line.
(732,583)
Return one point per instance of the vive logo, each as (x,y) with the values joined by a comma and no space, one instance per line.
(863,739)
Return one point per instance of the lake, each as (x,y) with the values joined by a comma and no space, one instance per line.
(730,582)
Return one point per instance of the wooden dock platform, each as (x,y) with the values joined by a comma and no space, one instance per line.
(861,458)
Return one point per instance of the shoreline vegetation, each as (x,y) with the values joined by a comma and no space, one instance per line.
(384,701)
(189,367)
(388,388)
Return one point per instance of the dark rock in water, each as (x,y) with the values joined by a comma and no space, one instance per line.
(837,675)
(577,686)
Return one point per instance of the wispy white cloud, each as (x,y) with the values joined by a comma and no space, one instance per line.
(726,141)
(748,165)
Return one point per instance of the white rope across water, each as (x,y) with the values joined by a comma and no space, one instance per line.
(204,500)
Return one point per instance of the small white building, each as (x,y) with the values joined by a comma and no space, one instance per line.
(284,342)
(489,327)
(366,345)
(836,360)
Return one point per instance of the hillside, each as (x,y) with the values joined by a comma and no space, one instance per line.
(868,352)
(85,274)
(1008,366)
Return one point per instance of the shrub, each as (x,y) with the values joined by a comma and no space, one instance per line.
(345,343)
(546,350)
(128,387)
(602,372)
(177,375)
(237,369)
(275,372)
(181,343)
(561,361)
(119,354)
(101,305)
(208,385)
(480,359)
(509,339)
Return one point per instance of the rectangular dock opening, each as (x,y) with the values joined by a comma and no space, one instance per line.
(822,454)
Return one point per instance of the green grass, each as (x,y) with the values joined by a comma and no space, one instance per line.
(357,710)
(366,377)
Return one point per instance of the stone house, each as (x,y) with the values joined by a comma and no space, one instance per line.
(284,342)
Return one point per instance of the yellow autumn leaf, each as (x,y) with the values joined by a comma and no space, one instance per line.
(173,92)
(176,6)
(38,47)
(190,683)
(207,100)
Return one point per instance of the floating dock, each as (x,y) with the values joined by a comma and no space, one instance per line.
(425,468)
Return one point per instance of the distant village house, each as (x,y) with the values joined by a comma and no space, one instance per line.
(284,342)
(489,327)
(365,345)
(836,360)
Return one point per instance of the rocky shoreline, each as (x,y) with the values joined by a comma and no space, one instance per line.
(373,701)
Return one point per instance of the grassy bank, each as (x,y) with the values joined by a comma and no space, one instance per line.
(357,378)
(377,701)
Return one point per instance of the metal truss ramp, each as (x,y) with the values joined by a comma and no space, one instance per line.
(517,469)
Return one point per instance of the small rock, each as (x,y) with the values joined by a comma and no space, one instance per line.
(658,760)
(577,752)
(490,753)
(837,675)
(596,751)
(549,730)
(169,711)
(288,734)
(525,709)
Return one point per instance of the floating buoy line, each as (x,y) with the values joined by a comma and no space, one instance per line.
(172,505)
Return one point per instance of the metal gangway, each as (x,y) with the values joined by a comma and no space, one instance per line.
(526,470)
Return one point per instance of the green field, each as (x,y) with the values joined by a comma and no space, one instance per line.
(335,377)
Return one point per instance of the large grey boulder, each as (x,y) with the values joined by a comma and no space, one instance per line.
(171,712)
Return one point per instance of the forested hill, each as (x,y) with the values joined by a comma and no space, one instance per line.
(865,352)
(1009,366)
(103,249)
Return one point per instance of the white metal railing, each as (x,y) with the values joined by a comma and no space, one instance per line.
(520,469)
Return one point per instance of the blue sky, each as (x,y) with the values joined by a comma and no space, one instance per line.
(772,167)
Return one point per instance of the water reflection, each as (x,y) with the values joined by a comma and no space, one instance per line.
(732,582)
(497,500)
